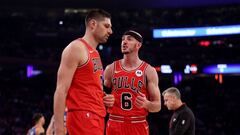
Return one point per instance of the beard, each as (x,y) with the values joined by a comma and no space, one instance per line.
(102,40)
(125,52)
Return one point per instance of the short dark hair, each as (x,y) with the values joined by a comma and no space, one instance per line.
(97,14)
(37,117)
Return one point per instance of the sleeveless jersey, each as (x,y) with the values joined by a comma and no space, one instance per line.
(32,131)
(86,92)
(126,86)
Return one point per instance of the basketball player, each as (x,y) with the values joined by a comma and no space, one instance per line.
(79,86)
(134,84)
(37,129)
(183,120)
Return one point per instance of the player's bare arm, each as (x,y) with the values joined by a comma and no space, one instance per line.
(154,102)
(73,55)
(108,99)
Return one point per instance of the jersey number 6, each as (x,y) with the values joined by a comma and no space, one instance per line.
(126,101)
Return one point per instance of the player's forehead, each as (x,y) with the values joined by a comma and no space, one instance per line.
(127,36)
(106,21)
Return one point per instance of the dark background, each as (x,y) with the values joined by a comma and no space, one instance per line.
(30,34)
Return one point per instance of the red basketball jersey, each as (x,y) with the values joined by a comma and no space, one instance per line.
(86,92)
(125,88)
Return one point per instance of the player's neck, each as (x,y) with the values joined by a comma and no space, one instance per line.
(131,62)
(90,40)
(38,125)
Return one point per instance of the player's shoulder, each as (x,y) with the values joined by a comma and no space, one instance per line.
(149,67)
(150,72)
(111,65)
(40,130)
(75,45)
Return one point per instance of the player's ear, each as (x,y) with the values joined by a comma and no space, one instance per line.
(92,23)
(139,45)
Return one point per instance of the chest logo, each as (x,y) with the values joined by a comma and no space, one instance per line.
(139,73)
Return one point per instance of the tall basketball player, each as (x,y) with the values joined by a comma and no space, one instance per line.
(79,84)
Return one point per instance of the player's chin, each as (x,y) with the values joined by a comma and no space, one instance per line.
(124,51)
(103,40)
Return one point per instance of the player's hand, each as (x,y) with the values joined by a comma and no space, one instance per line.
(141,101)
(108,100)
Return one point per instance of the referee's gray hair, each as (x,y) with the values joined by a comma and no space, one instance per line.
(173,91)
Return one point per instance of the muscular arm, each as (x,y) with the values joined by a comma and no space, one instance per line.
(72,56)
(108,99)
(153,90)
(154,102)
(108,76)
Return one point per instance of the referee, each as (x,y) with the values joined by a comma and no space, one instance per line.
(183,120)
